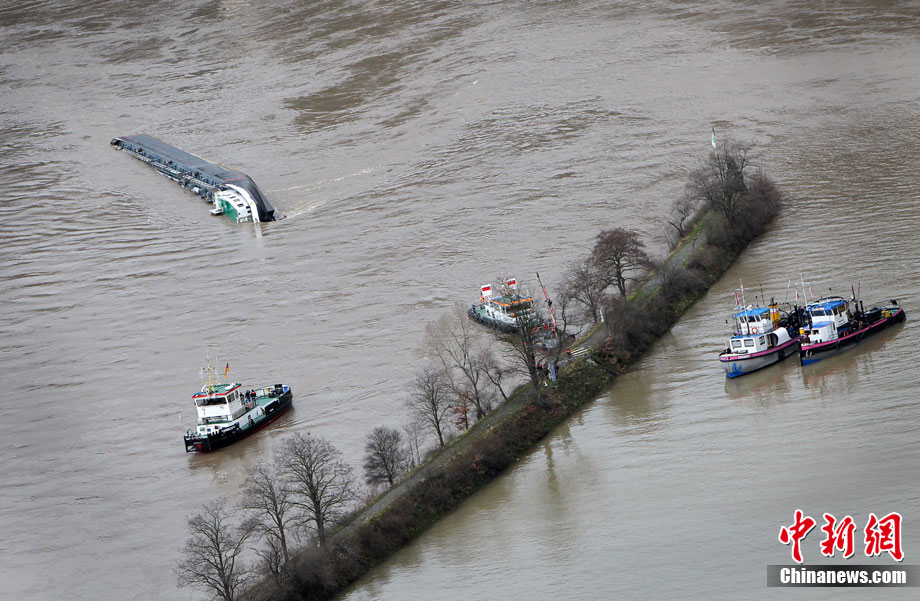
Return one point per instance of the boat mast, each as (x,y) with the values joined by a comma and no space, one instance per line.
(743,307)
(210,369)
(804,292)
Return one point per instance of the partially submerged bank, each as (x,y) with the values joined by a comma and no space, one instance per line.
(631,326)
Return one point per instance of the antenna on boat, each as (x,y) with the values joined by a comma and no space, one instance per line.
(210,371)
(805,290)
(788,284)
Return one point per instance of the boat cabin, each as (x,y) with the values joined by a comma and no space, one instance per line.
(755,321)
(509,305)
(218,405)
(829,310)
(234,204)
(746,345)
(817,333)
(504,308)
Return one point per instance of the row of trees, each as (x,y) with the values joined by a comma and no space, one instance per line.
(301,494)
(294,500)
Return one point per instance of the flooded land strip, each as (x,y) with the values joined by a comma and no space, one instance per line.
(631,325)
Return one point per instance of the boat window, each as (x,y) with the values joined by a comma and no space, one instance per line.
(761,340)
(748,342)
(736,344)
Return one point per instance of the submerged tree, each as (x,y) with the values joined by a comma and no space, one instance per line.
(323,485)
(212,554)
(386,457)
(619,256)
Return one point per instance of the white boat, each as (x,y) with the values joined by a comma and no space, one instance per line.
(761,336)
(227,412)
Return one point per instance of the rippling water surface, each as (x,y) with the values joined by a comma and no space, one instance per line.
(419,149)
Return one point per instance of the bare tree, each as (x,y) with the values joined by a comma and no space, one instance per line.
(323,485)
(412,430)
(271,559)
(522,343)
(386,457)
(585,285)
(563,308)
(496,373)
(212,554)
(618,254)
(720,181)
(272,503)
(682,215)
(430,401)
(460,351)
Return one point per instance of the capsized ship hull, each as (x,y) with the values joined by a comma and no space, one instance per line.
(232,192)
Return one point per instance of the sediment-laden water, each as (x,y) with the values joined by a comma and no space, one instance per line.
(420,149)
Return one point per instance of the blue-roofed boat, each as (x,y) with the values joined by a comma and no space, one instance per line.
(761,336)
(833,325)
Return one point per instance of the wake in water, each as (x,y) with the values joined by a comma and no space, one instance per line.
(312,204)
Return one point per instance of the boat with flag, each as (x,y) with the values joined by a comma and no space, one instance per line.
(761,336)
(228,413)
(503,312)
(834,324)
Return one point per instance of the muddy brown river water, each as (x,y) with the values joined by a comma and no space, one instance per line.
(418,149)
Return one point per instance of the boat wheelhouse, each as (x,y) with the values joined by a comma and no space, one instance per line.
(833,325)
(761,336)
(227,413)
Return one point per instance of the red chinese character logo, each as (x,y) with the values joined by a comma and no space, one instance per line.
(884,535)
(840,538)
(795,532)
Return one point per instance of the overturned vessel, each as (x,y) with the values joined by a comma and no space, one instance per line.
(233,193)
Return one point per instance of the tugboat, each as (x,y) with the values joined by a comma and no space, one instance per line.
(227,413)
(761,336)
(832,327)
(501,312)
